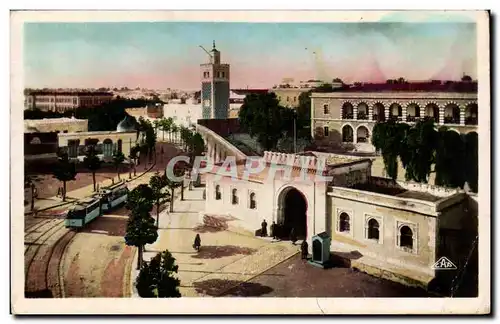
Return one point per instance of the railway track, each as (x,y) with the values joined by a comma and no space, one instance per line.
(38,254)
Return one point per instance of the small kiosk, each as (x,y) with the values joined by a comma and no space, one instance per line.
(321,250)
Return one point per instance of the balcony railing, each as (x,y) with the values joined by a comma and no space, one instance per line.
(471,121)
(347,115)
(377,117)
(347,139)
(412,118)
(362,140)
(362,115)
(451,120)
(435,118)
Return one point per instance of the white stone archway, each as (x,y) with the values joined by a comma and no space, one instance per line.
(292,210)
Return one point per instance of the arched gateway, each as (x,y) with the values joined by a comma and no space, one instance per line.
(292,213)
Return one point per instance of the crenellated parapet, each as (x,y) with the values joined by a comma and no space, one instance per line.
(294,160)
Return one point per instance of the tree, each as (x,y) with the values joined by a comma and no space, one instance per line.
(388,138)
(471,160)
(172,184)
(118,158)
(141,229)
(417,150)
(156,278)
(450,158)
(260,115)
(158,183)
(134,155)
(92,162)
(64,171)
(174,129)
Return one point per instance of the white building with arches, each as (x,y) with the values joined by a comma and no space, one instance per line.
(393,229)
(347,117)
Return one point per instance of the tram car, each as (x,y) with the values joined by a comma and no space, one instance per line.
(113,196)
(83,213)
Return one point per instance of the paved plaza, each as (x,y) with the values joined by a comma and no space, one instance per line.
(228,257)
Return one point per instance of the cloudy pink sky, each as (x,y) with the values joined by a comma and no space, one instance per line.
(167,54)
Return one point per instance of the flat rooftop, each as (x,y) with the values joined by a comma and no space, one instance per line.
(53,120)
(396,192)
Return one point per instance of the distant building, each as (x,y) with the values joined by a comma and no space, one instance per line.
(347,117)
(288,92)
(106,142)
(215,87)
(183,114)
(58,125)
(61,101)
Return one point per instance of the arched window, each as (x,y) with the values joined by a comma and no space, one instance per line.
(107,148)
(234,197)
(253,202)
(344,223)
(373,229)
(406,238)
(218,195)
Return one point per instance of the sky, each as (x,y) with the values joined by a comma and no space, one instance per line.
(162,55)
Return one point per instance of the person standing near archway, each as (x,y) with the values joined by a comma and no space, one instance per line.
(293,236)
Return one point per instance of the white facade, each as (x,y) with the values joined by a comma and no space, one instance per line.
(183,114)
(398,227)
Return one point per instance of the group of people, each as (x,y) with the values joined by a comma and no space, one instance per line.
(275,233)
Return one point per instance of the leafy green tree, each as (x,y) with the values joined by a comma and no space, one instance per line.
(158,183)
(450,158)
(92,162)
(64,171)
(157,278)
(134,155)
(389,139)
(261,116)
(471,160)
(118,158)
(417,150)
(141,229)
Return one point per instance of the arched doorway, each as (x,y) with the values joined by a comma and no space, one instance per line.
(347,134)
(362,134)
(292,213)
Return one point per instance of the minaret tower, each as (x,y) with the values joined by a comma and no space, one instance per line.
(214,86)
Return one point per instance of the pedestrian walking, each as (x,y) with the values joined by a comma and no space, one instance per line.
(197,242)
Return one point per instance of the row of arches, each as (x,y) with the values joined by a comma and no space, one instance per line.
(235,200)
(405,235)
(362,134)
(107,148)
(451,112)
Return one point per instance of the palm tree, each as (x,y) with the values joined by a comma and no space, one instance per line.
(92,162)
(158,183)
(174,130)
(118,159)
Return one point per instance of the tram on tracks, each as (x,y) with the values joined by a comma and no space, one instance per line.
(89,209)
(113,196)
(83,213)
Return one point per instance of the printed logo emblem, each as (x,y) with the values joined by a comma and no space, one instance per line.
(444,264)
